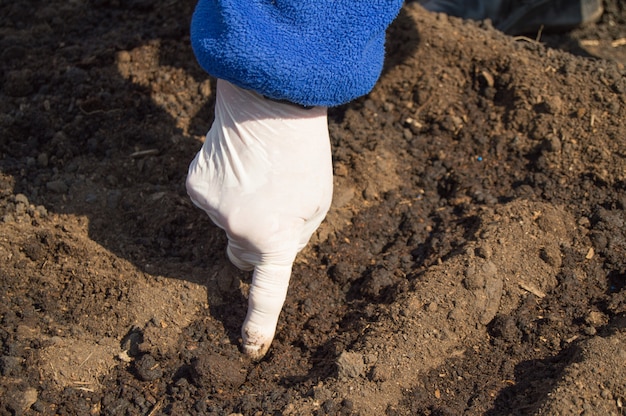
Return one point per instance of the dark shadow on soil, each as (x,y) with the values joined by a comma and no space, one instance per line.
(523,387)
(534,380)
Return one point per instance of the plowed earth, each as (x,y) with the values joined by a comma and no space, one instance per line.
(473,261)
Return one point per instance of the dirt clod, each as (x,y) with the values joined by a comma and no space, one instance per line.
(350,365)
(217,372)
(147,368)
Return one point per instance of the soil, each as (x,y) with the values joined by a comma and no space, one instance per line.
(473,261)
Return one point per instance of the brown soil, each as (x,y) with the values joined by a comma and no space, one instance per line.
(473,261)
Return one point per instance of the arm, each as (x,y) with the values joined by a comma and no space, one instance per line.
(264,173)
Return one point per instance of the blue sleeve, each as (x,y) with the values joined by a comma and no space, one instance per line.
(322,52)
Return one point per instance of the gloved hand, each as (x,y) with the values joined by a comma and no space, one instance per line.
(264,175)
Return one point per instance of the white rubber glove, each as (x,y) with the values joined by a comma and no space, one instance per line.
(264,175)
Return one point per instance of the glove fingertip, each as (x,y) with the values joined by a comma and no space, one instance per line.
(256,341)
(254,351)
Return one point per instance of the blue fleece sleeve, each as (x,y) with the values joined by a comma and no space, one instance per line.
(322,52)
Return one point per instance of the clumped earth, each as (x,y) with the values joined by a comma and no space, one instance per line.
(473,261)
